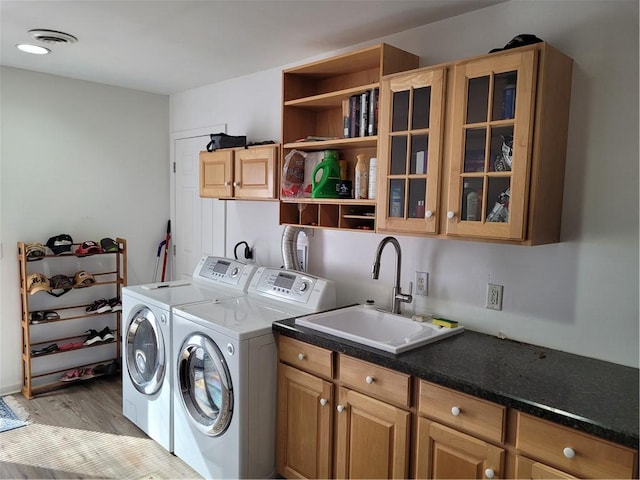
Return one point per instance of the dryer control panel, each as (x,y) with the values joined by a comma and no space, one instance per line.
(224,270)
(292,286)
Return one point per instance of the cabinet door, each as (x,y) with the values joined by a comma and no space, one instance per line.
(255,172)
(372,438)
(442,452)
(493,109)
(529,469)
(410,151)
(304,433)
(216,174)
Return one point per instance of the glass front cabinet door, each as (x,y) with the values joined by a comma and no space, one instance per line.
(492,131)
(410,136)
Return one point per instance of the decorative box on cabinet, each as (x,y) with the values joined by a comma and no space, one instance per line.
(43,372)
(313,98)
(240,173)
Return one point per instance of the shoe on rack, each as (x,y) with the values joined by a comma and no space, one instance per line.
(72,375)
(99,306)
(93,337)
(87,373)
(106,335)
(107,369)
(48,349)
(115,304)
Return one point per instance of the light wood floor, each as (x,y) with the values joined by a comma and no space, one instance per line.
(80,432)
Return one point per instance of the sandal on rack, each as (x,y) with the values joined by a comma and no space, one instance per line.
(72,375)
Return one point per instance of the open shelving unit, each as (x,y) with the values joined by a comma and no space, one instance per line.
(313,105)
(42,372)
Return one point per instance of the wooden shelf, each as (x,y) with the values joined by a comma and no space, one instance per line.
(314,99)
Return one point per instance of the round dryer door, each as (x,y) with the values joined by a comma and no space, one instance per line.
(205,384)
(145,351)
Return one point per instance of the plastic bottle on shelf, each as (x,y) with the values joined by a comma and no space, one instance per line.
(361,177)
(372,177)
(472,206)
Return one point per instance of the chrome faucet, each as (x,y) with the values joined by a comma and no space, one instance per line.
(397,296)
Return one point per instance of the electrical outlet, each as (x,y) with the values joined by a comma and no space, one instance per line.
(422,283)
(494,296)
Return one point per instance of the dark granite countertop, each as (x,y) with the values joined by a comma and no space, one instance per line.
(593,396)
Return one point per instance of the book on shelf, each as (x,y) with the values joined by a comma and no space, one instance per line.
(315,138)
(360,114)
(345,118)
(354,115)
(372,118)
(364,114)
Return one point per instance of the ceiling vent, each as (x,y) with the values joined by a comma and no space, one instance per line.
(52,36)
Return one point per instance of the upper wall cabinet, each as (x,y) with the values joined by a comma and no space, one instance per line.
(239,173)
(494,128)
(508,141)
(316,105)
(410,145)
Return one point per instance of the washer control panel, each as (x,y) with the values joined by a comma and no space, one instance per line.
(292,286)
(224,270)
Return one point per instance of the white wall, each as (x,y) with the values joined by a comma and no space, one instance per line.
(80,158)
(580,295)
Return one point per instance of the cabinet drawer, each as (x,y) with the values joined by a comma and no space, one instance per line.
(374,380)
(593,457)
(464,412)
(306,357)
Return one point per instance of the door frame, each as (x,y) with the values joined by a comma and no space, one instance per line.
(173,138)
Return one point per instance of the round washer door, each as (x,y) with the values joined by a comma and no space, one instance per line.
(145,351)
(205,384)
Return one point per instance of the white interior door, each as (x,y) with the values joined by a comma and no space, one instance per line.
(199,224)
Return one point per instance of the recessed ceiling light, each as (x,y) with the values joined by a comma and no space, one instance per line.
(35,49)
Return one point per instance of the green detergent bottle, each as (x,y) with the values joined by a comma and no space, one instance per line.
(327,186)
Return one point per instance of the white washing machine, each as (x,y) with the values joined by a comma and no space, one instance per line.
(147,363)
(225,378)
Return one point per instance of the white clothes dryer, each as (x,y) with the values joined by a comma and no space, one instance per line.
(225,378)
(147,366)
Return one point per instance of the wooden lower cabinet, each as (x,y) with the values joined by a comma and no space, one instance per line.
(442,452)
(527,468)
(372,438)
(561,449)
(342,417)
(304,433)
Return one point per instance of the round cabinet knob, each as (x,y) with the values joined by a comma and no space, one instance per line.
(428,214)
(340,408)
(226,184)
(323,401)
(369,379)
(301,356)
(489,473)
(568,452)
(450,214)
(236,184)
(455,411)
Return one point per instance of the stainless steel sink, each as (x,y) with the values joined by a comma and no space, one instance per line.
(378,329)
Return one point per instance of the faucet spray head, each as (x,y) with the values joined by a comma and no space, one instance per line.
(375,270)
